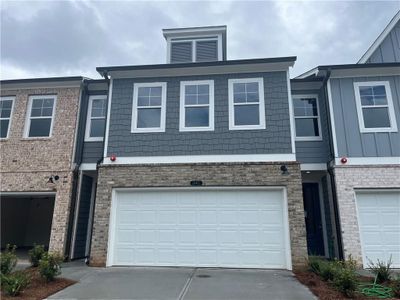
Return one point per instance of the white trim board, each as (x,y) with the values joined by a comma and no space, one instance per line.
(291,114)
(108,118)
(313,167)
(88,167)
(182,159)
(332,118)
(380,39)
(113,212)
(393,160)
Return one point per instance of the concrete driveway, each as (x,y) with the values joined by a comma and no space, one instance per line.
(181,283)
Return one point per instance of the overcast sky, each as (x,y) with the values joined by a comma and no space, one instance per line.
(62,38)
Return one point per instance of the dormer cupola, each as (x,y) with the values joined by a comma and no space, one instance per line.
(195,44)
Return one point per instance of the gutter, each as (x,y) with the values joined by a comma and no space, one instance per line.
(332,174)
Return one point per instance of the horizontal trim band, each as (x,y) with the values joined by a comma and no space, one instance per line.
(394,160)
(182,159)
(88,167)
(313,167)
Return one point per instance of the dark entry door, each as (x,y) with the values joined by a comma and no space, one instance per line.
(312,210)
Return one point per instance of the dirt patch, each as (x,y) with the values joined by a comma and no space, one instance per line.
(38,288)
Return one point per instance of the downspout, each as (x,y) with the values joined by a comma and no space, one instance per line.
(87,259)
(75,177)
(332,174)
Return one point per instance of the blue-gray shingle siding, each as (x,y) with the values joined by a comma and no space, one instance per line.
(275,139)
(350,141)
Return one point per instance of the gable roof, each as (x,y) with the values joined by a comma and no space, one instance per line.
(380,39)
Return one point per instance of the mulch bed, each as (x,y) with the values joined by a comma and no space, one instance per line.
(323,290)
(38,288)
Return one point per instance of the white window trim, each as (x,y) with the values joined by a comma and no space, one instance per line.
(193,40)
(261,103)
(308,138)
(136,87)
(392,117)
(28,116)
(210,105)
(9,118)
(88,138)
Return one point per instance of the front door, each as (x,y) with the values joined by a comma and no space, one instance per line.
(312,212)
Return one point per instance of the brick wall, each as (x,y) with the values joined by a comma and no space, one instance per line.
(349,178)
(216,174)
(27,164)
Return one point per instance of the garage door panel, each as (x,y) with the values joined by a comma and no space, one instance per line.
(379,225)
(231,228)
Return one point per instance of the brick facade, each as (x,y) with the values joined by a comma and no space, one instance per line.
(212,174)
(27,163)
(349,178)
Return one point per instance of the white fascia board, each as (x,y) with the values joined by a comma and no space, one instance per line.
(393,160)
(380,39)
(184,159)
(88,167)
(313,71)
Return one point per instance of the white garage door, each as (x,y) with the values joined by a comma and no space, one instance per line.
(379,223)
(202,227)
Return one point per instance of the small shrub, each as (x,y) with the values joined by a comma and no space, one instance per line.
(36,254)
(329,270)
(314,264)
(345,280)
(396,287)
(8,260)
(50,266)
(381,269)
(13,284)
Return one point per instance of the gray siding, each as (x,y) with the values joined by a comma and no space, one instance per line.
(274,139)
(83,217)
(92,152)
(206,51)
(88,152)
(350,141)
(181,52)
(314,151)
(389,49)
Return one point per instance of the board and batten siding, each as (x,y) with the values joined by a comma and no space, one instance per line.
(350,141)
(389,49)
(275,139)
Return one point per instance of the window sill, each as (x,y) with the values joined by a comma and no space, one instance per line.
(88,140)
(247,128)
(47,138)
(308,139)
(377,130)
(147,131)
(191,129)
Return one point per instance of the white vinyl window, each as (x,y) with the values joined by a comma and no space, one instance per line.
(246,104)
(96,118)
(149,101)
(307,117)
(375,106)
(41,111)
(6,108)
(197,105)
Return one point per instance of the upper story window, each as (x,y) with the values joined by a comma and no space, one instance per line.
(6,107)
(307,117)
(197,105)
(195,50)
(96,118)
(246,104)
(375,106)
(41,110)
(149,101)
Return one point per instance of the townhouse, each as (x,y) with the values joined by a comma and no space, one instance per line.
(205,161)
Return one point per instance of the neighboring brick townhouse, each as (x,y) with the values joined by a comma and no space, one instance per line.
(205,161)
